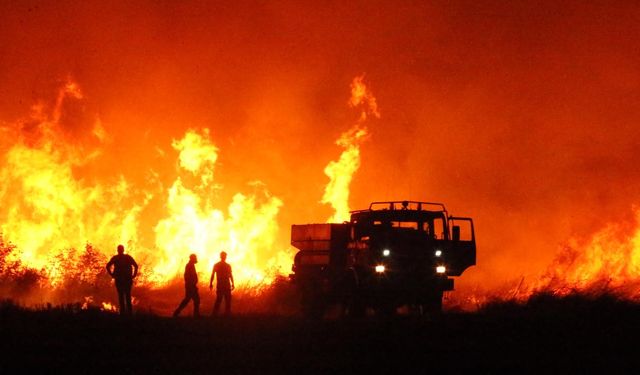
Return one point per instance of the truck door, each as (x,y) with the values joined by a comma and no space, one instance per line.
(463,245)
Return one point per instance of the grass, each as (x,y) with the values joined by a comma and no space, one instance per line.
(546,334)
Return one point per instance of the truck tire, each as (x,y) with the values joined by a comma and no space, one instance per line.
(354,304)
(432,303)
(386,309)
(356,308)
(312,303)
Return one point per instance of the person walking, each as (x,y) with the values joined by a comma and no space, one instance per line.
(190,288)
(225,285)
(125,269)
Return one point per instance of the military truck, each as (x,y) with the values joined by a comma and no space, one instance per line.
(393,254)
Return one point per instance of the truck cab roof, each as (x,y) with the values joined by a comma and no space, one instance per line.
(399,211)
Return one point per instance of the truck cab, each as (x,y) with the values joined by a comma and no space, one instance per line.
(394,253)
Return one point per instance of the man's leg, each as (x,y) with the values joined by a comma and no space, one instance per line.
(227,302)
(182,305)
(121,302)
(196,304)
(188,295)
(128,300)
(216,305)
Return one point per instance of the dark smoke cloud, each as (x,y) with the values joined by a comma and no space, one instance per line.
(523,116)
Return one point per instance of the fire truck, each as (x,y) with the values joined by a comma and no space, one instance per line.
(393,254)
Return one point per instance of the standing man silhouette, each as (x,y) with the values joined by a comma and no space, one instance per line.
(190,288)
(125,269)
(225,284)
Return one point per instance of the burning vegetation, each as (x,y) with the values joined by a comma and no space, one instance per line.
(59,226)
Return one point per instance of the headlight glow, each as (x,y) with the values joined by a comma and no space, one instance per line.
(386,252)
(438,253)
(380,268)
(441,269)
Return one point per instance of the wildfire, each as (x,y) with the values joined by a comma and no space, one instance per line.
(58,229)
(247,231)
(48,212)
(608,261)
(106,306)
(341,172)
(362,96)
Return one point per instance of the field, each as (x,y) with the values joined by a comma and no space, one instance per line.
(548,335)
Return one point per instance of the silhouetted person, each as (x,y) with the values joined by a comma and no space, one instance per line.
(190,287)
(225,284)
(124,270)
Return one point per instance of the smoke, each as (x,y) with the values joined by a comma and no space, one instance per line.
(521,116)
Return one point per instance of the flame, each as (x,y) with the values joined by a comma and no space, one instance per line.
(45,208)
(247,231)
(609,259)
(87,301)
(362,96)
(606,262)
(197,154)
(103,306)
(48,212)
(341,172)
(106,306)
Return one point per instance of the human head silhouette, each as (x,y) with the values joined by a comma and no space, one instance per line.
(223,256)
(120,249)
(193,258)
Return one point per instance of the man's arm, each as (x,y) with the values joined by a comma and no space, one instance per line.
(109,265)
(231,278)
(213,273)
(135,267)
(195,275)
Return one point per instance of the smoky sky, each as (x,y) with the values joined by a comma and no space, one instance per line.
(522,115)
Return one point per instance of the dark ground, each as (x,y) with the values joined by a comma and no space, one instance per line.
(547,335)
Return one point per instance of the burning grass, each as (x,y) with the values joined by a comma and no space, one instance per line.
(85,283)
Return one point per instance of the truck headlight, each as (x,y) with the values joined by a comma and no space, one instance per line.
(386,252)
(380,268)
(438,253)
(441,269)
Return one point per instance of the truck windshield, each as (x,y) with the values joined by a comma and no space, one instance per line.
(405,224)
(434,228)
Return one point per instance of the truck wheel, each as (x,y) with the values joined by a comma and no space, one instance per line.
(356,308)
(312,305)
(313,311)
(386,309)
(354,302)
(432,304)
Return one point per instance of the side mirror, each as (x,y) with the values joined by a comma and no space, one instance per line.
(455,231)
